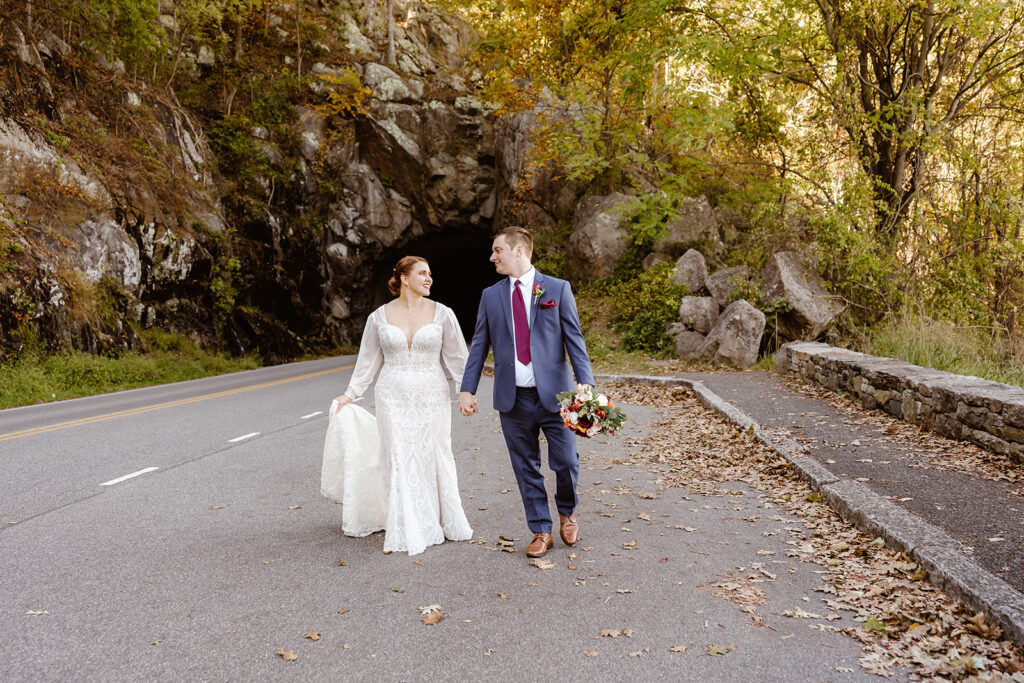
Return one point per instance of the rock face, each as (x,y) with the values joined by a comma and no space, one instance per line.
(599,236)
(691,270)
(529,192)
(330,205)
(726,285)
(789,276)
(698,313)
(80,233)
(736,337)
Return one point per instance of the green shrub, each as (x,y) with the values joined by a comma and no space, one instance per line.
(238,156)
(643,308)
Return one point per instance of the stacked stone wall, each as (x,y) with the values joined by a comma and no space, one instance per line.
(986,413)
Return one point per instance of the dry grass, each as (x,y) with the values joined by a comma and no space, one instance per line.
(941,345)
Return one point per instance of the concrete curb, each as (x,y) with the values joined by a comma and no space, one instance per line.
(939,554)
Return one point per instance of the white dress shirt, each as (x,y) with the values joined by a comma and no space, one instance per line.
(524,373)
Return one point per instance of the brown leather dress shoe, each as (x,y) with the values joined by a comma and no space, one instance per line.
(569,529)
(540,544)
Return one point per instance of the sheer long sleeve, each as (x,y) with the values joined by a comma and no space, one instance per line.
(453,346)
(368,362)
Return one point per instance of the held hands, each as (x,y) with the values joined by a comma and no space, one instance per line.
(343,401)
(467,403)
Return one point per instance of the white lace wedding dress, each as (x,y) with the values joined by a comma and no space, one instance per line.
(414,417)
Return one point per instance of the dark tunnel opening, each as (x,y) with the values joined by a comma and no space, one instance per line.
(460,266)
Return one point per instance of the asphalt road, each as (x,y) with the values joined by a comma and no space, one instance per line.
(202,568)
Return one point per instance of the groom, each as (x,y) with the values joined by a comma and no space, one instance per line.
(530,322)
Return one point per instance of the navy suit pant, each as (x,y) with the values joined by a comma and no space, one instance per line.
(521,427)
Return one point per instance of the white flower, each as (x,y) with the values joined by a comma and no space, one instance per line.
(583,392)
(574,417)
(602,400)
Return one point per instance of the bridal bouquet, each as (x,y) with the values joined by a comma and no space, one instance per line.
(588,412)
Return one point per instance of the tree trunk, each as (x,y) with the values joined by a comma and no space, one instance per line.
(371,15)
(28,16)
(391,35)
(238,39)
(298,37)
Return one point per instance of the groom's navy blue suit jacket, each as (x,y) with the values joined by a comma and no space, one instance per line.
(554,332)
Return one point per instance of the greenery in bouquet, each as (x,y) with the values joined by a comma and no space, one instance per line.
(587,411)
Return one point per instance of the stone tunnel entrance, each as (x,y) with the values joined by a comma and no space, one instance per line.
(460,265)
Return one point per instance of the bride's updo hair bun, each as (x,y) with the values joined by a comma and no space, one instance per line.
(403,267)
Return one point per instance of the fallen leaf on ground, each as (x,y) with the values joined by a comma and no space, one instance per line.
(979,624)
(677,648)
(344,610)
(800,614)
(502,596)
(541,563)
(396,589)
(590,653)
(312,635)
(217,507)
(294,507)
(432,618)
(717,650)
(624,590)
(36,613)
(287,655)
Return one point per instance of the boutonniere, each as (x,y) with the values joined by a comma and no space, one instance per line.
(538,292)
(548,304)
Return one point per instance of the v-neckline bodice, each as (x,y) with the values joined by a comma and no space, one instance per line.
(409,340)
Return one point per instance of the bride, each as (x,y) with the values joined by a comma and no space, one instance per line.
(410,335)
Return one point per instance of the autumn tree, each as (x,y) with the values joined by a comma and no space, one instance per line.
(896,76)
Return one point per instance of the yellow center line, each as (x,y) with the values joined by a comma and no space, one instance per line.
(158,406)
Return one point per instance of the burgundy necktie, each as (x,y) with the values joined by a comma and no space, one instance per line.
(522,326)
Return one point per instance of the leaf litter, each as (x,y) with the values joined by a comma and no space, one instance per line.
(903,620)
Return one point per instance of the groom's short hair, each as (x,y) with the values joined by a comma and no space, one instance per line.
(517,234)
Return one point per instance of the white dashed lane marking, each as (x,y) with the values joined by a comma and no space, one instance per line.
(243,437)
(128,476)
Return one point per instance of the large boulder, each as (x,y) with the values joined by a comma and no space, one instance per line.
(691,270)
(599,236)
(790,276)
(736,337)
(698,313)
(688,344)
(727,285)
(695,221)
